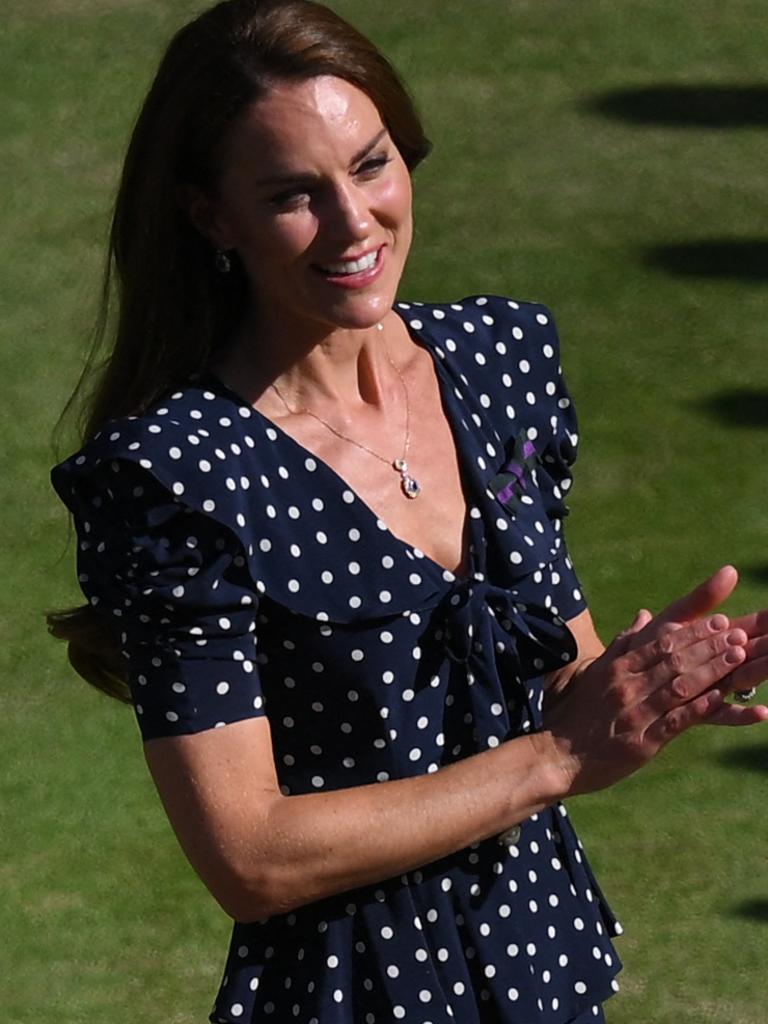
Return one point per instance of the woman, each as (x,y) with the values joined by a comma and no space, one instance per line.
(323,528)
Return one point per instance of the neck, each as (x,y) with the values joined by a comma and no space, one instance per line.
(338,373)
(316,369)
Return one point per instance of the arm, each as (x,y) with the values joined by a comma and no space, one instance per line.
(179,584)
(262,853)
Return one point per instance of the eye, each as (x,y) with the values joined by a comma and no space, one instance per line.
(290,199)
(373,166)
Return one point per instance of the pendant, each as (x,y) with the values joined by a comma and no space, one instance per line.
(410,486)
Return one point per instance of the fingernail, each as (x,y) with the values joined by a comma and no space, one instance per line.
(714,698)
(734,656)
(737,637)
(718,622)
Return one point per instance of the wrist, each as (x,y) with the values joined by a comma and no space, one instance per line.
(555,766)
(571,673)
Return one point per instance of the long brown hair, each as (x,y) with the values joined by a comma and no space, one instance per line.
(172,311)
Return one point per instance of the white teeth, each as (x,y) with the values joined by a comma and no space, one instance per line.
(352,266)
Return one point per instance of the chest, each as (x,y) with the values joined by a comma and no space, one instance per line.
(435,520)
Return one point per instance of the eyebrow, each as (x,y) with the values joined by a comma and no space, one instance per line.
(299,177)
(367,149)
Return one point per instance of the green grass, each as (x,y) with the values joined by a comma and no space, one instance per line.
(527,193)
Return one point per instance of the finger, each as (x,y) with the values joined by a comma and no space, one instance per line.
(632,636)
(683,717)
(751,672)
(701,599)
(709,660)
(623,641)
(687,686)
(670,634)
(737,714)
(757,648)
(642,619)
(755,624)
(669,646)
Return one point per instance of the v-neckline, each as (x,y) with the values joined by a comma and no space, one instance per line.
(472,555)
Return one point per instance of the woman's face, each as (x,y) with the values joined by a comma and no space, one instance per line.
(316,200)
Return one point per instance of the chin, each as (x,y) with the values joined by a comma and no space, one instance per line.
(360,313)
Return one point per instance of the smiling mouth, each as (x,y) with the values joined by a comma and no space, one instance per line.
(348,268)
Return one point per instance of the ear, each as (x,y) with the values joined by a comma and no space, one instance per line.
(206,216)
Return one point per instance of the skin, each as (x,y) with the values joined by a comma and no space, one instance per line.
(607,714)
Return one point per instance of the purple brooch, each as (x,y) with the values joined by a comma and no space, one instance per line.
(511,483)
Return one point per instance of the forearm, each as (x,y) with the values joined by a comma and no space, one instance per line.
(358,836)
(303,848)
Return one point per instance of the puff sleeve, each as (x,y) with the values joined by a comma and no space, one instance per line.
(555,465)
(173,584)
(539,453)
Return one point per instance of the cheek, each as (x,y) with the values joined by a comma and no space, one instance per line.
(396,202)
(277,239)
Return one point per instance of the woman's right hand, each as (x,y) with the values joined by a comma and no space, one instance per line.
(658,678)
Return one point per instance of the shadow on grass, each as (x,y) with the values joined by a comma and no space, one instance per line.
(750,759)
(752,910)
(745,259)
(687,106)
(755,574)
(740,407)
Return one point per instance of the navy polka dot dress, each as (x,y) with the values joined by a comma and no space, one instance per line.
(246,578)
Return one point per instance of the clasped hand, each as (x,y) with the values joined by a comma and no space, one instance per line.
(661,676)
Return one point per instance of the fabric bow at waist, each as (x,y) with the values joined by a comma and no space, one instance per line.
(539,640)
(504,645)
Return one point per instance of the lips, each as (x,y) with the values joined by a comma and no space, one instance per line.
(356,266)
(359,267)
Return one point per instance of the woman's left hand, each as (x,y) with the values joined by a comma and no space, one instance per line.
(750,673)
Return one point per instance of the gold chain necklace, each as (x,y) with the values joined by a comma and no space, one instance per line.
(409,485)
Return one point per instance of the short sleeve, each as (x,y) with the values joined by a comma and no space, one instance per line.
(555,467)
(174,585)
(555,415)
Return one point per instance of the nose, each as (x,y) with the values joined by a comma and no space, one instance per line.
(349,215)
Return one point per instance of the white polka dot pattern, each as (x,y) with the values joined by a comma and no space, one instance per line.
(246,578)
